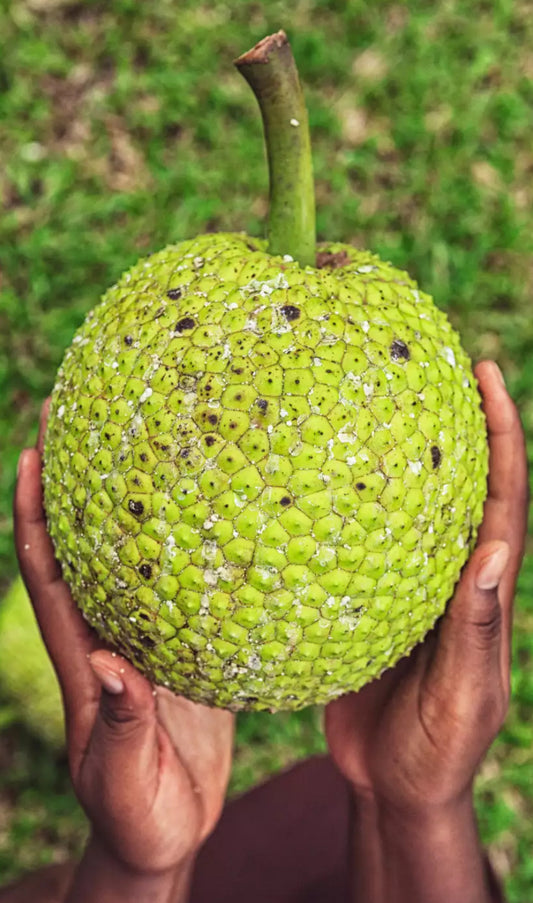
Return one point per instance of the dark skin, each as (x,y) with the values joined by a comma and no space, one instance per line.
(151,771)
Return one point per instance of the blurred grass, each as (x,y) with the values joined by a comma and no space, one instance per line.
(125,128)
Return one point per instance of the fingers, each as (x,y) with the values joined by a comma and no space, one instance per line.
(34,547)
(471,660)
(465,670)
(66,635)
(505,513)
(506,509)
(123,745)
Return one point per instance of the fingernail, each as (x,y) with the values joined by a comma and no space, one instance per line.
(21,460)
(109,680)
(498,373)
(491,571)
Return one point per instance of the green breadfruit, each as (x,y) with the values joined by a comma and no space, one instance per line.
(263,474)
(26,674)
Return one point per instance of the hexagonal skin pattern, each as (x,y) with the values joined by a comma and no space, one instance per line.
(262,480)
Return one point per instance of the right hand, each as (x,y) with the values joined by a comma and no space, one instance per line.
(414,738)
(150,770)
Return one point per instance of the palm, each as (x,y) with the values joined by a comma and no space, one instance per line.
(364,730)
(394,738)
(178,784)
(201,738)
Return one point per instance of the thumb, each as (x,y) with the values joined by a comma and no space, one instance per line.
(124,736)
(468,653)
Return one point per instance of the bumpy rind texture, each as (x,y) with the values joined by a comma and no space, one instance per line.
(262,481)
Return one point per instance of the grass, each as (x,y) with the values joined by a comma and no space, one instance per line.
(125,128)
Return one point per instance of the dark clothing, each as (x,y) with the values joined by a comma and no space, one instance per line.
(285,841)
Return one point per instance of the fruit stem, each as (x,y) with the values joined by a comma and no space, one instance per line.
(270,70)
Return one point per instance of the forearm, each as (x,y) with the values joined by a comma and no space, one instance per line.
(428,858)
(100,878)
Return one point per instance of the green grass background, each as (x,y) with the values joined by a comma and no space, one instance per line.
(125,127)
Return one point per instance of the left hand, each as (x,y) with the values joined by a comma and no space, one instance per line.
(149,768)
(413,739)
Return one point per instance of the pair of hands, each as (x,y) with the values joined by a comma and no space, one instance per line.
(151,769)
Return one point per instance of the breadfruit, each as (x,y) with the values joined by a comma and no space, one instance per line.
(263,474)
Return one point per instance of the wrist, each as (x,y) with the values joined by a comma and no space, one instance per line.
(103,877)
(413,812)
(428,825)
(423,852)
(413,827)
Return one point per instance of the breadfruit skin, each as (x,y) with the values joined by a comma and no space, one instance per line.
(262,480)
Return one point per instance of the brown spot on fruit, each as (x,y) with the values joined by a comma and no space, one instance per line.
(184,324)
(136,507)
(285,501)
(262,404)
(436,456)
(128,340)
(209,441)
(146,571)
(399,351)
(291,312)
(174,294)
(213,419)
(360,485)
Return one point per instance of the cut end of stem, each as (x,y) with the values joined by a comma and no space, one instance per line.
(270,70)
(262,51)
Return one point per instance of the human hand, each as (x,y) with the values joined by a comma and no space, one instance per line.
(413,739)
(149,768)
